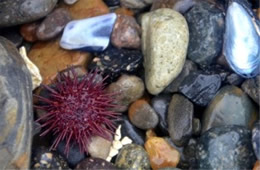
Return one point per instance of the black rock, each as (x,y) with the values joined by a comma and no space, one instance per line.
(206,27)
(129,130)
(160,104)
(16,112)
(95,163)
(13,35)
(180,116)
(42,158)
(256,139)
(200,88)
(113,62)
(225,147)
(17,12)
(112,2)
(74,156)
(188,67)
(189,152)
(252,88)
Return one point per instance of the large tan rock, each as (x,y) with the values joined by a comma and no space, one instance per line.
(165,38)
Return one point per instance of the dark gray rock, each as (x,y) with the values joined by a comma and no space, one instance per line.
(256,139)
(252,88)
(16,108)
(225,147)
(200,88)
(160,104)
(129,130)
(112,2)
(206,26)
(95,163)
(230,106)
(234,79)
(132,156)
(42,158)
(114,62)
(188,68)
(180,115)
(74,155)
(12,34)
(189,152)
(196,126)
(17,12)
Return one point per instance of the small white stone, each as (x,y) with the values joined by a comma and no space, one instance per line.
(118,133)
(34,71)
(70,2)
(113,152)
(108,159)
(126,140)
(117,145)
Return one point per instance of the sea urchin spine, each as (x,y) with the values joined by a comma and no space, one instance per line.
(77,109)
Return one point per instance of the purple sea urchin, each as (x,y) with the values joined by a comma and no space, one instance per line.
(77,109)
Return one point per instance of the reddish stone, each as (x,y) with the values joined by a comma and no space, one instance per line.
(124,11)
(161,153)
(126,33)
(257,165)
(53,24)
(28,31)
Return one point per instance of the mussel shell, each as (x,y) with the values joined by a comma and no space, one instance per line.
(242,40)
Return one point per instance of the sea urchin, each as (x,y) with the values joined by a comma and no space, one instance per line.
(77,109)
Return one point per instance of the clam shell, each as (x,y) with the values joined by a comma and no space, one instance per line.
(242,41)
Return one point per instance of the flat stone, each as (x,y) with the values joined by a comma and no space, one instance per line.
(230,106)
(16,111)
(180,116)
(129,88)
(142,115)
(165,38)
(132,156)
(221,148)
(53,24)
(252,88)
(50,58)
(200,88)
(126,33)
(161,153)
(17,12)
(206,26)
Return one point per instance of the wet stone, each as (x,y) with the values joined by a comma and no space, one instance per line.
(132,156)
(252,88)
(134,133)
(17,12)
(160,104)
(16,111)
(230,106)
(95,163)
(13,35)
(142,115)
(53,24)
(206,27)
(180,117)
(256,139)
(42,158)
(200,88)
(221,148)
(114,62)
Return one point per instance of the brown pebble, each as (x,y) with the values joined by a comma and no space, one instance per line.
(124,11)
(28,31)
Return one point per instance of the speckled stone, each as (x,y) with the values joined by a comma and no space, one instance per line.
(16,111)
(114,62)
(188,68)
(161,153)
(17,12)
(165,38)
(230,106)
(200,88)
(252,88)
(225,147)
(95,163)
(129,88)
(256,139)
(42,158)
(160,104)
(206,26)
(142,115)
(133,156)
(180,116)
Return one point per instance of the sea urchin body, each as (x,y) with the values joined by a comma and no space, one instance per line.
(77,109)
